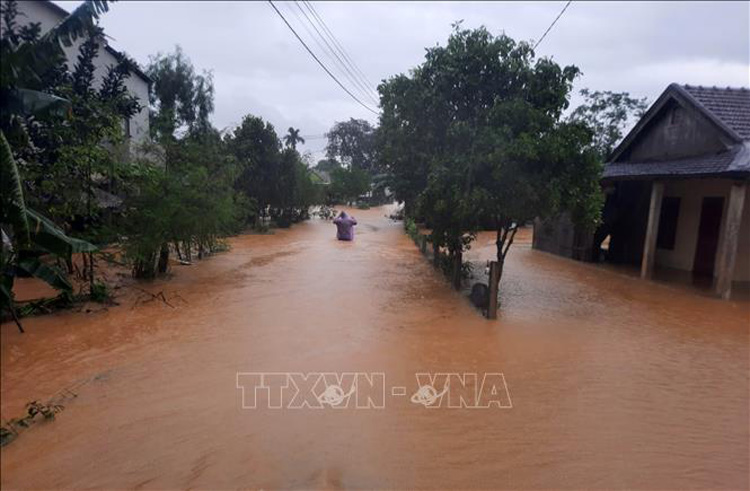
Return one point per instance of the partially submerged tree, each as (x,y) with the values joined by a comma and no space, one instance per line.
(30,64)
(347,185)
(276,180)
(474,135)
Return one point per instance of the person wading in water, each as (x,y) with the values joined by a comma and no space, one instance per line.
(345,226)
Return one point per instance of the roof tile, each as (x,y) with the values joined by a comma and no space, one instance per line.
(730,105)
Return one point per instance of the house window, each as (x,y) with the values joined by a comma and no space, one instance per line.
(126,127)
(670,211)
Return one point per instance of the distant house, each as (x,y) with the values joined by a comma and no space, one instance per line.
(677,189)
(48,15)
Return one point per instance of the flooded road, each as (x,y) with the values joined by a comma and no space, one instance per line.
(615,382)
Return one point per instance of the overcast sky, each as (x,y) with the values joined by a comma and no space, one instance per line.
(259,67)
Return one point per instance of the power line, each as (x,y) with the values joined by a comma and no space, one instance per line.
(330,52)
(553,23)
(320,62)
(323,48)
(345,70)
(335,40)
(363,78)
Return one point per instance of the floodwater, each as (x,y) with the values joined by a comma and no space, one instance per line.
(615,382)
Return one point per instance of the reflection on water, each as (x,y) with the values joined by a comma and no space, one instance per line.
(615,382)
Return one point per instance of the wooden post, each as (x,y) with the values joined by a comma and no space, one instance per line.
(728,252)
(423,244)
(492,304)
(652,230)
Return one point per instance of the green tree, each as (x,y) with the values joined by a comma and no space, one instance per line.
(292,138)
(180,98)
(608,114)
(348,184)
(256,148)
(474,136)
(192,207)
(353,144)
(31,64)
(327,165)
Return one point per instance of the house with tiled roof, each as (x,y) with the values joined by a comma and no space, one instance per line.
(677,188)
(48,14)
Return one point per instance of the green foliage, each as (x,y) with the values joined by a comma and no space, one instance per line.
(348,184)
(411,229)
(275,179)
(180,98)
(327,165)
(190,207)
(353,143)
(292,138)
(13,209)
(100,292)
(57,122)
(63,151)
(474,136)
(32,236)
(608,114)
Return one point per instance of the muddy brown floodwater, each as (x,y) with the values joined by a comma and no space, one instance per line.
(615,382)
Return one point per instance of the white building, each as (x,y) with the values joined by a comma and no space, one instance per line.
(48,15)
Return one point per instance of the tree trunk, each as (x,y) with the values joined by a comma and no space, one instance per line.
(91,273)
(495,272)
(163,258)
(177,249)
(505,235)
(457,262)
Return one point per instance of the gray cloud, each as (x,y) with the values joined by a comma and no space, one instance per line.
(260,68)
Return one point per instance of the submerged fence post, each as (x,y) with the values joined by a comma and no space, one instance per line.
(492,304)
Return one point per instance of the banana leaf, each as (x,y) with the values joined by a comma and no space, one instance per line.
(49,274)
(81,22)
(50,238)
(6,290)
(12,205)
(33,102)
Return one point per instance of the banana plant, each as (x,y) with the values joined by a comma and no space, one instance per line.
(27,235)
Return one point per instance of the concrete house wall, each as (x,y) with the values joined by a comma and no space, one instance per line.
(692,144)
(48,15)
(691,193)
(673,136)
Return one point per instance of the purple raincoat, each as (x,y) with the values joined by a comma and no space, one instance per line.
(345,226)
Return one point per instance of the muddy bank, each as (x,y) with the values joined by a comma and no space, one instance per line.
(614,382)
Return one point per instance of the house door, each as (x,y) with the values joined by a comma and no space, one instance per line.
(708,236)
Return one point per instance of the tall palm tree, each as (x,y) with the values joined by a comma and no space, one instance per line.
(291,138)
